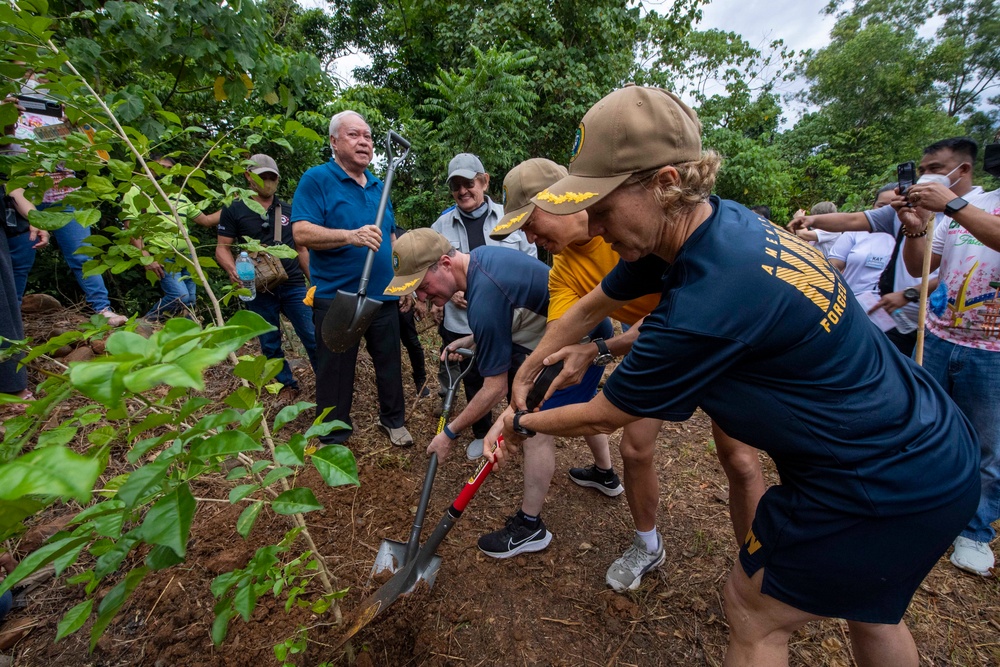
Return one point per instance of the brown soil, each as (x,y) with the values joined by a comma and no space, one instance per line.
(548,608)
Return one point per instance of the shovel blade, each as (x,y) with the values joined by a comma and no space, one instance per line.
(347,320)
(391,557)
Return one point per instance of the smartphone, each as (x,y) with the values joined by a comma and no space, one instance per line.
(906,175)
(40,106)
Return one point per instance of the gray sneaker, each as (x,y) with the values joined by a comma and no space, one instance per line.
(626,572)
(399,436)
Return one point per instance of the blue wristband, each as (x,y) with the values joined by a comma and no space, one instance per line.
(448,432)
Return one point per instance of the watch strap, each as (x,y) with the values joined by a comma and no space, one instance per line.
(602,347)
(521,430)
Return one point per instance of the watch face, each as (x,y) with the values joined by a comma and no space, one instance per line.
(955,205)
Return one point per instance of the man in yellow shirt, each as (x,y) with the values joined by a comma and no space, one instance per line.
(579,265)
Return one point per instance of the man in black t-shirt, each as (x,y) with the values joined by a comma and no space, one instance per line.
(239,221)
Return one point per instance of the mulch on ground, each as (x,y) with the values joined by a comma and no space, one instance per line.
(549,608)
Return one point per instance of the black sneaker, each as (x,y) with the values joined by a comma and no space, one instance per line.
(515,538)
(605,482)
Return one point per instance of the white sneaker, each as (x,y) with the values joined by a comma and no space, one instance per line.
(114,319)
(626,572)
(972,556)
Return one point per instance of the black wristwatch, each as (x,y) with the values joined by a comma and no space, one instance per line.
(604,356)
(954,206)
(520,430)
(911,294)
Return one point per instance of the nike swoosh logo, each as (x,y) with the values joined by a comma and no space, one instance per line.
(512,544)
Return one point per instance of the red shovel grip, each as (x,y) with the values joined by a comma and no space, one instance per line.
(476,481)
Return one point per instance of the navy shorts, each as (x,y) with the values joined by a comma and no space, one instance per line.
(586,389)
(841,565)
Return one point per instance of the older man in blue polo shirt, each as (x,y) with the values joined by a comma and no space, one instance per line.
(335,209)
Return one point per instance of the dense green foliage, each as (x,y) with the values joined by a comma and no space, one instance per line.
(211,82)
(510,79)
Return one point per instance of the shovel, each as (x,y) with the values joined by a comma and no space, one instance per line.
(405,580)
(351,313)
(393,555)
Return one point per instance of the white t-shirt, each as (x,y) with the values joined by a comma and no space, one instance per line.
(865,256)
(825,240)
(967,269)
(885,220)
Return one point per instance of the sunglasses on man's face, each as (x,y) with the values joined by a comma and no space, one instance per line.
(457,184)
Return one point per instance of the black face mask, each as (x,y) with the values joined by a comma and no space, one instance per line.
(991,159)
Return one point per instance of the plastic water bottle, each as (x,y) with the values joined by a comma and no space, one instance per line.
(247,275)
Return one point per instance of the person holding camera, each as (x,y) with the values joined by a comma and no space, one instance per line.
(962,345)
(899,291)
(272,228)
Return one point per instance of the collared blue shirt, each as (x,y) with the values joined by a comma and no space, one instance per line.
(327,196)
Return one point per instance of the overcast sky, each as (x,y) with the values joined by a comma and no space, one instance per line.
(798,22)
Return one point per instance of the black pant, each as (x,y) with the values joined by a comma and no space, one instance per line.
(411,341)
(335,371)
(473,382)
(903,342)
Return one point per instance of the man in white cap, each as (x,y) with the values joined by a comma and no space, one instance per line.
(272,228)
(879,468)
(467,225)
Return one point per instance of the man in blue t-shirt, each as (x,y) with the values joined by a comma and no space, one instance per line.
(335,208)
(508,301)
(878,466)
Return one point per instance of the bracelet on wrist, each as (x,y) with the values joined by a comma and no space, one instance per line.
(448,432)
(915,236)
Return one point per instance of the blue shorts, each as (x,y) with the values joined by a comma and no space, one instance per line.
(840,565)
(587,387)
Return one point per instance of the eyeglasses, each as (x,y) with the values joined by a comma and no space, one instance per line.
(457,184)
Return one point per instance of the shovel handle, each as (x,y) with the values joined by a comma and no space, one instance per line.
(472,486)
(383,204)
(418,522)
(542,383)
(399,140)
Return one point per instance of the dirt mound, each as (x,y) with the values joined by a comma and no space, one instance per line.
(551,608)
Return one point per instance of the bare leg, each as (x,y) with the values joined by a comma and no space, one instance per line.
(759,625)
(539,466)
(599,448)
(879,645)
(642,488)
(746,481)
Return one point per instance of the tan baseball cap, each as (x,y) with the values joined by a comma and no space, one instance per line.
(414,253)
(521,184)
(263,163)
(631,130)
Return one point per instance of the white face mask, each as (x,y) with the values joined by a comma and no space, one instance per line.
(938,178)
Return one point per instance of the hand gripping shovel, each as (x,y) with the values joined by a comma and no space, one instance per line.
(393,555)
(351,313)
(404,580)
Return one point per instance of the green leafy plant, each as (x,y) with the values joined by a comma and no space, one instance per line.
(144,397)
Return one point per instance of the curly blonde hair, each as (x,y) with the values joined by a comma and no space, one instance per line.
(697,179)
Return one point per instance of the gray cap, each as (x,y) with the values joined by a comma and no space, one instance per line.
(263,163)
(465,165)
